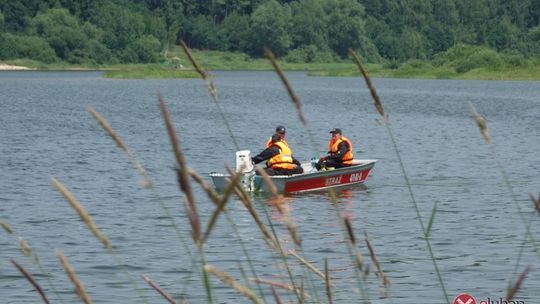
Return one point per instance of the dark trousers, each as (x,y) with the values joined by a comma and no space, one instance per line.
(272,172)
(330,163)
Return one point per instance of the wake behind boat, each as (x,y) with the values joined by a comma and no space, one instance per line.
(310,180)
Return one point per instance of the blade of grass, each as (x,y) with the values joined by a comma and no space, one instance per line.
(431,218)
(31,280)
(294,98)
(182,171)
(160,290)
(307,264)
(327,280)
(512,291)
(85,217)
(79,287)
(380,109)
(107,127)
(147,183)
(481,122)
(380,273)
(227,279)
(211,88)
(221,204)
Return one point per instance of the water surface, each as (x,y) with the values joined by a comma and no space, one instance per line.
(476,236)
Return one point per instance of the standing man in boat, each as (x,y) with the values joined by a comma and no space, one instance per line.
(280,130)
(340,152)
(279,159)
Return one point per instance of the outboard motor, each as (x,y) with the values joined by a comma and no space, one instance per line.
(244,165)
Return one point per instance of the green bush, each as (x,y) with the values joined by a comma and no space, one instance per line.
(391,64)
(296,56)
(145,50)
(310,54)
(31,47)
(464,58)
(415,64)
(487,58)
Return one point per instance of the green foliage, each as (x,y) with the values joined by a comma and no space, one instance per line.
(310,54)
(150,73)
(13,47)
(143,50)
(235,28)
(2,21)
(302,30)
(345,26)
(309,24)
(63,32)
(465,58)
(270,27)
(203,33)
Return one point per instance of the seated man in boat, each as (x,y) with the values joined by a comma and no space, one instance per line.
(340,152)
(279,159)
(280,130)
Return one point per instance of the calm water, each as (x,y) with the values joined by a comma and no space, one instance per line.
(45,132)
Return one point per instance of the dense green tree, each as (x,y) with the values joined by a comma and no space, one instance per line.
(302,30)
(120,26)
(145,50)
(201,32)
(2,20)
(502,35)
(270,27)
(63,33)
(309,25)
(346,21)
(235,28)
(169,12)
(31,47)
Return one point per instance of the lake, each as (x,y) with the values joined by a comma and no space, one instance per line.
(476,236)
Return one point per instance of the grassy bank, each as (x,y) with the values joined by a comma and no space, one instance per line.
(531,73)
(458,63)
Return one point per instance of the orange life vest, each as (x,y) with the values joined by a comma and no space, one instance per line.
(283,160)
(333,148)
(269,142)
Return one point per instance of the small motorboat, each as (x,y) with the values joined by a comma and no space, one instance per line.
(310,180)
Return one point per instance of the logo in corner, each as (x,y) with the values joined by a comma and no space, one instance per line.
(464,298)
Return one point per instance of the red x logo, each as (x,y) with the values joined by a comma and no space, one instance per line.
(464,299)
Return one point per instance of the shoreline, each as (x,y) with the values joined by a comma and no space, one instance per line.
(9,67)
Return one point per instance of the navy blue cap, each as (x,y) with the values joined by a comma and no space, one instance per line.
(280,129)
(336,130)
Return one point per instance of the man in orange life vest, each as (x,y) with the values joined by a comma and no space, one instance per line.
(340,152)
(279,159)
(280,130)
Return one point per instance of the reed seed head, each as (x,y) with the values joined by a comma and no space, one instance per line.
(79,287)
(376,99)
(146,182)
(227,279)
(482,124)
(85,217)
(25,248)
(380,272)
(6,227)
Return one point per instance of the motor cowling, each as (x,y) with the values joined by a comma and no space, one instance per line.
(245,165)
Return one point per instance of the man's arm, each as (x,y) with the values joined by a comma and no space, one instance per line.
(266,154)
(343,147)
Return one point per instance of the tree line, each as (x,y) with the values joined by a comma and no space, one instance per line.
(131,31)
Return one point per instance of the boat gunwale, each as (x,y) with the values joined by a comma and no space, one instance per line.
(364,164)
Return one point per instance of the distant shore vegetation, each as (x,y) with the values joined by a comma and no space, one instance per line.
(425,38)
